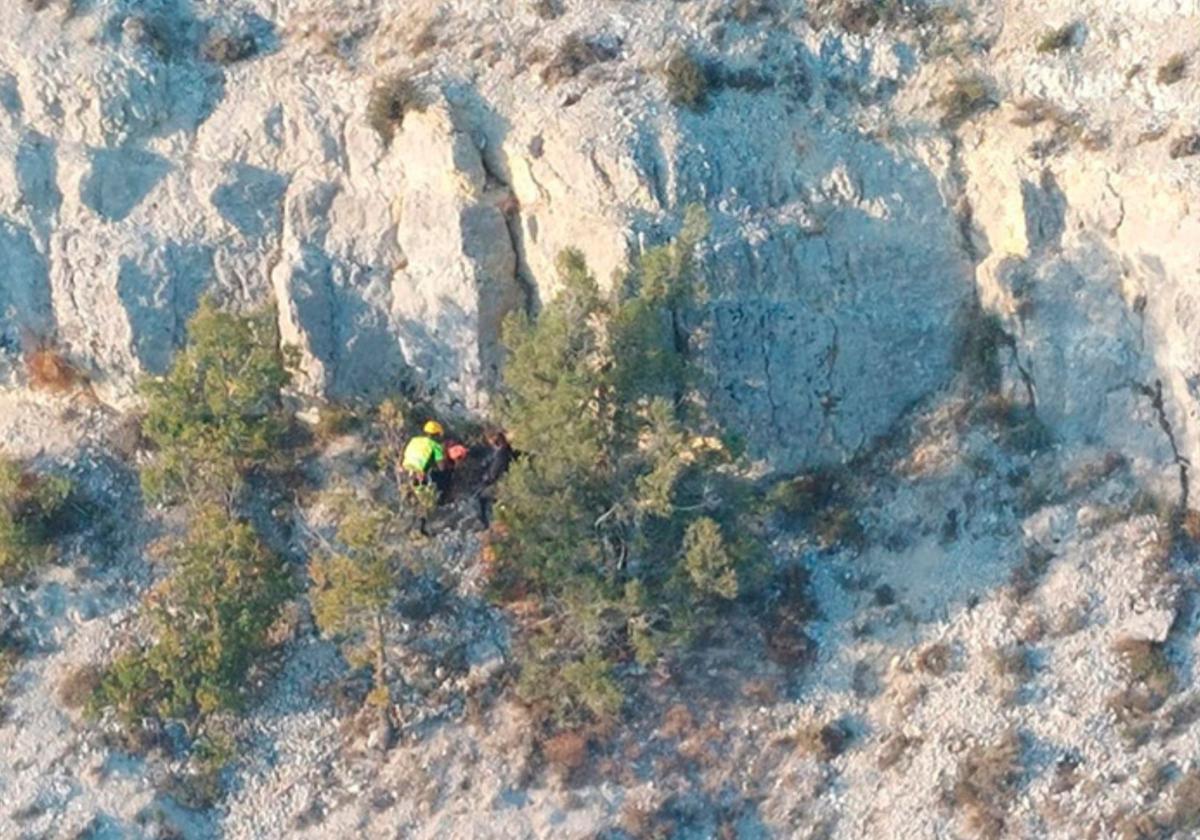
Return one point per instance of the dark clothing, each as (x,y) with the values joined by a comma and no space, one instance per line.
(499,459)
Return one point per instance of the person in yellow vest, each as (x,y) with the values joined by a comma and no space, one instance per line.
(424,457)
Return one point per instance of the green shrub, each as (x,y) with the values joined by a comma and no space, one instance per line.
(968,96)
(218,412)
(687,80)
(624,523)
(1054,40)
(390,100)
(29,506)
(209,621)
(1174,70)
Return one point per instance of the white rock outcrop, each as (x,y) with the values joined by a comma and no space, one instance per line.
(851,232)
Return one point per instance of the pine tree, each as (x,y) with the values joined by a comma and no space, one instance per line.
(218,410)
(355,582)
(209,622)
(625,519)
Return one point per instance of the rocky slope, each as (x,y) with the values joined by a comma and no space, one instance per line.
(886,184)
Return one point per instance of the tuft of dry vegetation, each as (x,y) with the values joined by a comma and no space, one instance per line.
(824,742)
(750,11)
(391,99)
(49,370)
(1174,70)
(77,687)
(574,55)
(895,748)
(1185,146)
(935,659)
(334,420)
(987,779)
(1012,666)
(1029,572)
(687,80)
(967,97)
(1058,39)
(548,9)
(1150,681)
(566,751)
(226,48)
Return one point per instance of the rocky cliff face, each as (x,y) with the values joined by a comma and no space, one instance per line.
(852,228)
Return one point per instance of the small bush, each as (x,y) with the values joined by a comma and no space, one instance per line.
(985,786)
(565,752)
(210,621)
(574,55)
(858,17)
(977,354)
(390,100)
(577,693)
(547,9)
(10,655)
(1184,813)
(967,97)
(687,80)
(894,749)
(335,420)
(226,48)
(1185,146)
(935,659)
(824,742)
(749,11)
(426,38)
(78,685)
(1030,571)
(1145,663)
(1174,70)
(49,370)
(1061,38)
(30,504)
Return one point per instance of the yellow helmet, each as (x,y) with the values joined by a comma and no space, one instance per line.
(434,428)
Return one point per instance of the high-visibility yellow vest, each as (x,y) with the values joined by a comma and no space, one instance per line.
(422,453)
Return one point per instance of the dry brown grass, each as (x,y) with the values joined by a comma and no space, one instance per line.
(391,99)
(565,752)
(78,685)
(986,782)
(49,370)
(824,742)
(894,749)
(575,54)
(1150,681)
(935,659)
(677,722)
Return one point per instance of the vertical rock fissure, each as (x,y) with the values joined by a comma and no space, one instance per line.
(516,238)
(1155,395)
